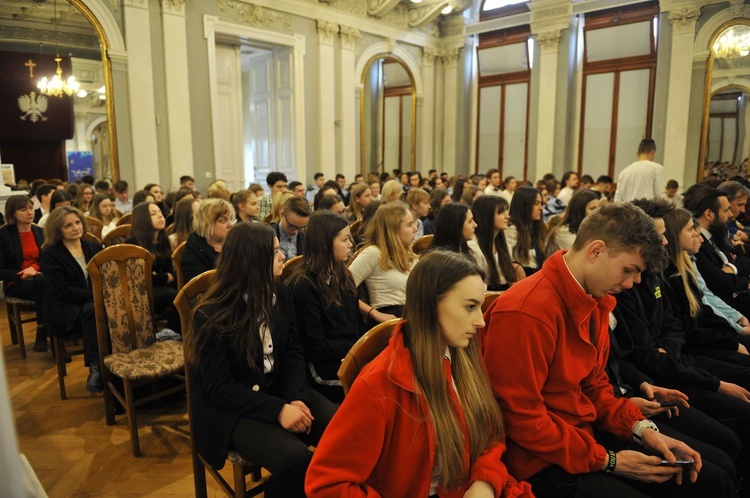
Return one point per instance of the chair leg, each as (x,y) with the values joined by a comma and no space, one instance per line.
(240,487)
(199,474)
(19,331)
(132,423)
(60,362)
(11,324)
(109,399)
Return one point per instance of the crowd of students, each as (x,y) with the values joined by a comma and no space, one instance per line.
(615,362)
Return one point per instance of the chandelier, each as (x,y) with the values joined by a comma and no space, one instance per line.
(57,86)
(731,44)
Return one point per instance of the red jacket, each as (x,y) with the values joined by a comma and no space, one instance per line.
(381,443)
(548,375)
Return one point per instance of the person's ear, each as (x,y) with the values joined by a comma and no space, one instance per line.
(594,250)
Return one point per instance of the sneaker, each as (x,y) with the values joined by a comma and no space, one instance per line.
(40,345)
(94,381)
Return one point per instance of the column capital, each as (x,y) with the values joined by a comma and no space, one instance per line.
(548,15)
(173,6)
(141,4)
(684,20)
(326,30)
(549,40)
(429,55)
(349,37)
(450,55)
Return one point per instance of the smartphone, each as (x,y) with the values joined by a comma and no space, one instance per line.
(684,463)
(668,403)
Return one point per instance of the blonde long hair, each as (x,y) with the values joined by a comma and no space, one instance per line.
(354,211)
(675,221)
(435,275)
(382,233)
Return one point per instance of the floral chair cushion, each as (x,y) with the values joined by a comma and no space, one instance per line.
(159,359)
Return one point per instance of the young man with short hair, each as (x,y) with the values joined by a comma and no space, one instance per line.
(297,188)
(493,183)
(122,203)
(44,195)
(569,187)
(276,183)
(670,193)
(187,181)
(642,179)
(294,216)
(419,205)
(320,180)
(546,345)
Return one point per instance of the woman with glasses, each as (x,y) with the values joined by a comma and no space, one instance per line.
(211,223)
(326,301)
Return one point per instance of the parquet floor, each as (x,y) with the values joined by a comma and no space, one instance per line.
(71,449)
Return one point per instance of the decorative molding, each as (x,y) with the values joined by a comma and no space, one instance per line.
(349,37)
(450,56)
(429,55)
(737,6)
(396,17)
(421,14)
(326,31)
(136,3)
(256,15)
(173,6)
(357,7)
(549,40)
(683,21)
(46,36)
(379,8)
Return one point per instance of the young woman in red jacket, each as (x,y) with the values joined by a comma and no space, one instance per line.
(421,420)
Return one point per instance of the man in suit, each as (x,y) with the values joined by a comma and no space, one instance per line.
(715,260)
(289,230)
(44,194)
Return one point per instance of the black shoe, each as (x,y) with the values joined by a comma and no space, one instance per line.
(94,382)
(40,345)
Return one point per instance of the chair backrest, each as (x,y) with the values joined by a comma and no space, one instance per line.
(123,298)
(177,263)
(125,220)
(489,298)
(267,218)
(354,256)
(364,351)
(188,297)
(117,235)
(421,244)
(354,227)
(170,228)
(95,226)
(90,237)
(288,268)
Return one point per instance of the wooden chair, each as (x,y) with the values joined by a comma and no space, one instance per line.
(354,227)
(59,352)
(185,303)
(95,226)
(170,228)
(421,244)
(288,268)
(124,310)
(14,306)
(90,237)
(354,256)
(116,236)
(489,298)
(364,351)
(125,220)
(267,218)
(177,263)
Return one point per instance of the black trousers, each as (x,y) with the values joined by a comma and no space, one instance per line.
(554,482)
(33,290)
(164,305)
(285,454)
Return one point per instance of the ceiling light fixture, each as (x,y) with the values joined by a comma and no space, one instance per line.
(57,86)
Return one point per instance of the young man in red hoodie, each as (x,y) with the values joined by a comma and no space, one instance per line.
(546,346)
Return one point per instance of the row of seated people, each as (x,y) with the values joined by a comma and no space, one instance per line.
(401,225)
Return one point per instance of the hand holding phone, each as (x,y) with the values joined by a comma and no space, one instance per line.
(683,463)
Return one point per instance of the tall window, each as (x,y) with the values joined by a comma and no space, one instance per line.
(397,117)
(492,9)
(619,72)
(724,140)
(505,61)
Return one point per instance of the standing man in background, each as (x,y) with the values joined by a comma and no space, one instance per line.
(643,178)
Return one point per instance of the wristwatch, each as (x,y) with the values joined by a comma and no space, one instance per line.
(640,427)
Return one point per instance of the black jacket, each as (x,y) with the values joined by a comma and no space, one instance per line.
(37,215)
(11,254)
(300,238)
(225,388)
(197,257)
(327,332)
(66,288)
(722,284)
(648,325)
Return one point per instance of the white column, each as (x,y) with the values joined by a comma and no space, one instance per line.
(439,114)
(178,92)
(450,101)
(347,98)
(141,93)
(327,99)
(545,134)
(82,141)
(680,76)
(427,119)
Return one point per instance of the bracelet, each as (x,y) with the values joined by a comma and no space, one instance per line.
(611,463)
(640,427)
(371,310)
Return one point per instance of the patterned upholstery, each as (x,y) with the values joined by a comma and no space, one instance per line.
(152,362)
(236,457)
(120,300)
